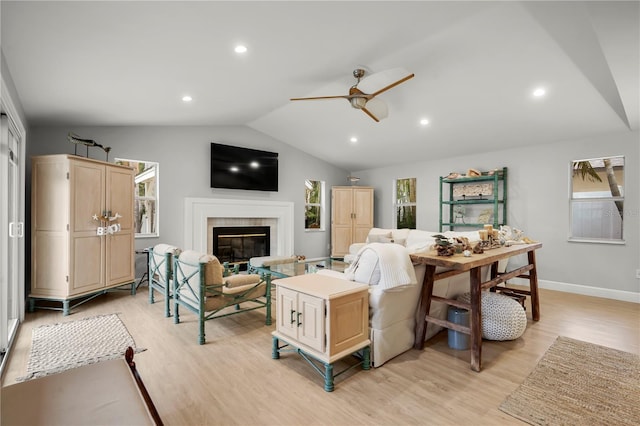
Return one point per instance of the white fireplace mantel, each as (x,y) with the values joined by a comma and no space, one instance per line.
(197,211)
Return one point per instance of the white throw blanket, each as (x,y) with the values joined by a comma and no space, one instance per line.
(395,265)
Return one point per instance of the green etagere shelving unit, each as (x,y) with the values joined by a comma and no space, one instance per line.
(496,200)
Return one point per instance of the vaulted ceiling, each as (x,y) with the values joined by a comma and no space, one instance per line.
(476,65)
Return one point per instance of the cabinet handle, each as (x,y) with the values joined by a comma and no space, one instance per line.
(299,323)
(292,316)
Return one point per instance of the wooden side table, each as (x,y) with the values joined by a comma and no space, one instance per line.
(324,318)
(458,264)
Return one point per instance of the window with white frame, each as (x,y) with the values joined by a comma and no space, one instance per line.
(314,205)
(597,200)
(405,203)
(146,196)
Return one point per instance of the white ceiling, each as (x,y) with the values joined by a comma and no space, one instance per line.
(475,63)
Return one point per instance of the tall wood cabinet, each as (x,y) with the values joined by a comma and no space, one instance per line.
(351,217)
(82,235)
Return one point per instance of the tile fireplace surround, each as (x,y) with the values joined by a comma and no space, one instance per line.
(202,214)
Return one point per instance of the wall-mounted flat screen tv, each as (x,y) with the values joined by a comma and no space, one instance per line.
(234,167)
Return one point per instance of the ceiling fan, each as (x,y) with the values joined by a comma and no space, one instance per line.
(367,102)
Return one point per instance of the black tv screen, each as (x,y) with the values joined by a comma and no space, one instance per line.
(233,167)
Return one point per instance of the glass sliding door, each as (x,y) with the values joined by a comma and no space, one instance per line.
(12,237)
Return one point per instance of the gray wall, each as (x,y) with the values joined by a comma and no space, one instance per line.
(538,189)
(184,155)
(11,89)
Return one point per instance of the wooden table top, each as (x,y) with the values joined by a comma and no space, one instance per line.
(461,263)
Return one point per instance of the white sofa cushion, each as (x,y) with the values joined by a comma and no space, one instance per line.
(420,241)
(375,234)
(401,234)
(391,260)
(368,270)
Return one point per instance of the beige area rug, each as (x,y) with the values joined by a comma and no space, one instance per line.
(579,383)
(59,347)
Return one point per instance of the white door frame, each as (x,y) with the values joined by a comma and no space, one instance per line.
(17,278)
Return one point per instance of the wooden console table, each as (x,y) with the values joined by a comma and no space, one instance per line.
(458,264)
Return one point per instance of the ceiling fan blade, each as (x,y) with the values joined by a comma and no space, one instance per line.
(376,109)
(392,85)
(320,97)
(366,111)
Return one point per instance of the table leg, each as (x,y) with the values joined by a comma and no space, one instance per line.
(494,274)
(533,287)
(424,306)
(328,377)
(476,318)
(366,358)
(275,350)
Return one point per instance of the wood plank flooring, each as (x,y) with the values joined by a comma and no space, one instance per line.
(232,380)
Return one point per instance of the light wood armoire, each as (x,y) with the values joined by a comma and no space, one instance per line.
(351,217)
(82,232)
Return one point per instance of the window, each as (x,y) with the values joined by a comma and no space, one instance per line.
(314,204)
(146,196)
(597,200)
(405,203)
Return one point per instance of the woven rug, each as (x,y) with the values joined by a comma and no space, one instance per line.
(579,383)
(59,347)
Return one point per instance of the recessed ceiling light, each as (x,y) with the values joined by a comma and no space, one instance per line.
(240,48)
(354,139)
(539,92)
(187,98)
(424,122)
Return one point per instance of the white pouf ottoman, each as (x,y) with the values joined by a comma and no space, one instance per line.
(503,318)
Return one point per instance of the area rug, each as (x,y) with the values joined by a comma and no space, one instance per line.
(59,347)
(579,383)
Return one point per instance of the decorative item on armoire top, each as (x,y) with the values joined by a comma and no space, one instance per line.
(77,140)
(354,180)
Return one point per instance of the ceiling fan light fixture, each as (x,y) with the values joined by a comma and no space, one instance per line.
(358,103)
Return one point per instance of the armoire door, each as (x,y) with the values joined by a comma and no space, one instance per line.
(341,220)
(120,260)
(87,189)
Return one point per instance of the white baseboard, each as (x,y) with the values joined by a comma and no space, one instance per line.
(607,293)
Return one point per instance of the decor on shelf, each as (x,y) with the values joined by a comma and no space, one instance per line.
(77,140)
(473,191)
(485,216)
(458,214)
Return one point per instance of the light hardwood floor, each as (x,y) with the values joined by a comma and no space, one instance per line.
(233,380)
